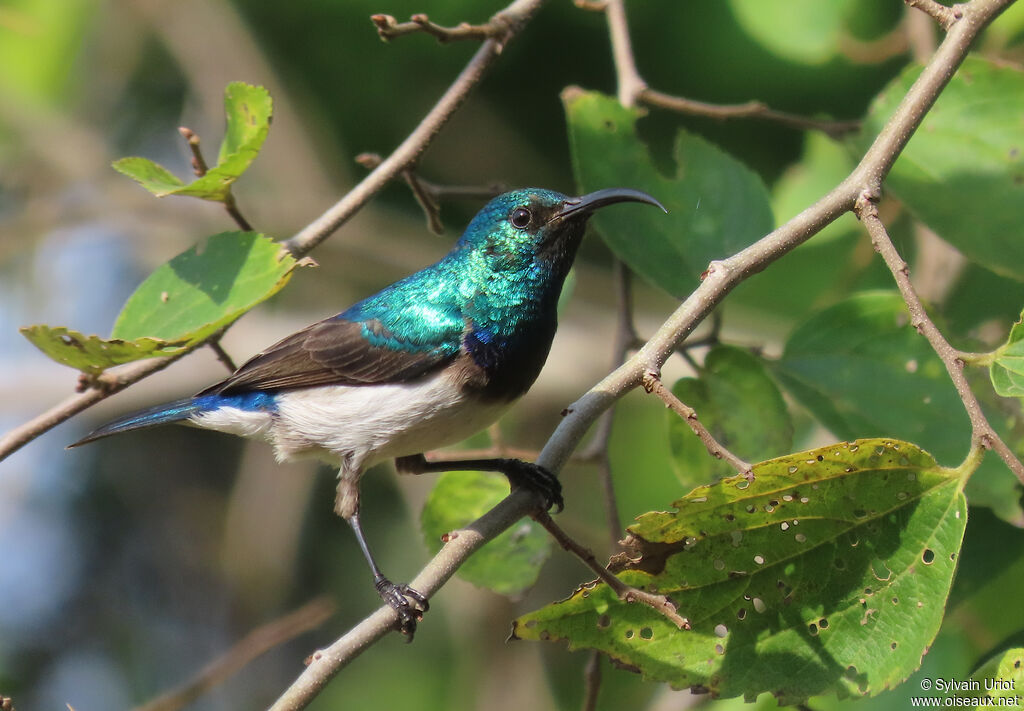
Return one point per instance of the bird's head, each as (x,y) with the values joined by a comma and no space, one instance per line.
(533,225)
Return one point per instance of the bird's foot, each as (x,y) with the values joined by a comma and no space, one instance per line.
(536,478)
(398,596)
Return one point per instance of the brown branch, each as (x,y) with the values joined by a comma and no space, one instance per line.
(627,593)
(983,435)
(257,642)
(942,14)
(515,17)
(653,385)
(388,28)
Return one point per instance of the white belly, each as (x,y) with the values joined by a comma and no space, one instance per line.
(361,426)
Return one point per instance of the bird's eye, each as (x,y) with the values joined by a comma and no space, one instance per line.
(520,218)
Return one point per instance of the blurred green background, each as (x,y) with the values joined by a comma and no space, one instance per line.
(126,566)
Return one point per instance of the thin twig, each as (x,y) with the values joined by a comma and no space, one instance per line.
(429,194)
(200,168)
(749,109)
(982,433)
(632,88)
(515,16)
(653,385)
(626,593)
(222,355)
(597,451)
(722,277)
(942,14)
(591,682)
(388,28)
(257,642)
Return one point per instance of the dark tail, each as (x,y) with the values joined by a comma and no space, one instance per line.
(159,415)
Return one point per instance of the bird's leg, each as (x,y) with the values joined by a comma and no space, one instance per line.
(519,473)
(396,595)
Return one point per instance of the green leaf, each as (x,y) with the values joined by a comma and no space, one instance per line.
(863,371)
(716,205)
(1007,370)
(511,562)
(152,176)
(968,153)
(1001,677)
(741,406)
(205,288)
(248,110)
(92,354)
(180,305)
(804,31)
(828,572)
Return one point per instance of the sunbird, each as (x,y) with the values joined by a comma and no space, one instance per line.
(424,363)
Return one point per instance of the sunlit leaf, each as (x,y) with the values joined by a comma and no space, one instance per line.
(181,304)
(508,564)
(968,153)
(716,204)
(248,109)
(741,406)
(828,572)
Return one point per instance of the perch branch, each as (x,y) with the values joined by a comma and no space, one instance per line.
(721,278)
(983,435)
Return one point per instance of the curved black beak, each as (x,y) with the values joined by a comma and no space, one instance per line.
(586,204)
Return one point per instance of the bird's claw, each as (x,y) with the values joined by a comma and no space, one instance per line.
(398,597)
(537,479)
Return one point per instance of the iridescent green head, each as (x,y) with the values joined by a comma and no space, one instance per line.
(535,225)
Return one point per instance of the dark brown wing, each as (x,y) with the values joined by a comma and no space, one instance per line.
(334,352)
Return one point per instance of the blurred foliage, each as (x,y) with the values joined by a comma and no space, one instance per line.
(129,565)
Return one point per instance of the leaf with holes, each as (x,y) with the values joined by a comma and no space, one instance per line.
(827,573)
(863,371)
(716,205)
(248,109)
(511,562)
(741,406)
(1007,371)
(968,151)
(1001,677)
(180,305)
